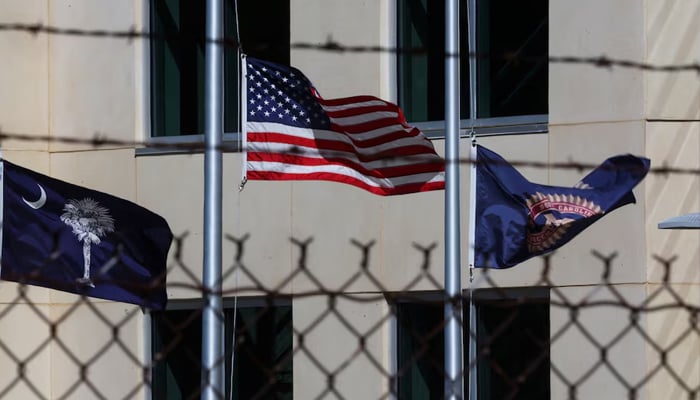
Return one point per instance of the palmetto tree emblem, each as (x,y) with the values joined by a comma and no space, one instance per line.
(90,222)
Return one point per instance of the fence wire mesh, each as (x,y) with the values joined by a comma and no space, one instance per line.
(332,338)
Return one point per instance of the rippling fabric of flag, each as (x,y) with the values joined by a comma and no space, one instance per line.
(70,238)
(517,219)
(292,133)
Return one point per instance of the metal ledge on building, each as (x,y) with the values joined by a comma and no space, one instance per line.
(687,221)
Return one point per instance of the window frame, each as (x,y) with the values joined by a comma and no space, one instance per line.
(485,296)
(231,140)
(494,126)
(489,297)
(515,125)
(394,300)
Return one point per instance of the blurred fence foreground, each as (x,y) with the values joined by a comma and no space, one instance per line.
(299,337)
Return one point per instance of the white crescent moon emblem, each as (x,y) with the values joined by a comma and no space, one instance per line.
(39,203)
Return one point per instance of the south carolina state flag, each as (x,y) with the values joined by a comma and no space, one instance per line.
(517,219)
(70,238)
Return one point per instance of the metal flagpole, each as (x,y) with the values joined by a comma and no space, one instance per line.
(453,284)
(472,360)
(212,316)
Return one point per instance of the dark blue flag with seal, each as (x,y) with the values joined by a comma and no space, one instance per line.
(517,219)
(70,238)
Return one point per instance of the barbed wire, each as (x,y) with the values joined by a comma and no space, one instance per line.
(100,140)
(194,147)
(331,45)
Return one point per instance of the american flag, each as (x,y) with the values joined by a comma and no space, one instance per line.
(292,133)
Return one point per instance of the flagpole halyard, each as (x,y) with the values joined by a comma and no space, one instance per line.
(243,118)
(472,359)
(473,113)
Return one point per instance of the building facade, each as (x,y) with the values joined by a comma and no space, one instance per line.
(319,323)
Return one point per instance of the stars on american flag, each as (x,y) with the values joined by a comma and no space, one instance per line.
(283,96)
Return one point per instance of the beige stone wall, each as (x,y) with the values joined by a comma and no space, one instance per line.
(24,100)
(672,362)
(91,85)
(77,87)
(357,367)
(673,144)
(582,93)
(578,341)
(85,336)
(23,335)
(321,21)
(672,38)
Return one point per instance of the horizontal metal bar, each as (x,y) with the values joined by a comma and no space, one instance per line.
(518,125)
(228,302)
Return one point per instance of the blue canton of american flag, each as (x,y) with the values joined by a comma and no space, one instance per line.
(292,133)
(281,95)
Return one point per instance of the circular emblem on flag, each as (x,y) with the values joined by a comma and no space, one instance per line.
(551,216)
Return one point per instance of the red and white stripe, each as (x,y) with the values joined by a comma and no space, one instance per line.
(369,145)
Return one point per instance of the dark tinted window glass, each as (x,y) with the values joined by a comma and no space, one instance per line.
(422,66)
(262,358)
(513,72)
(177,58)
(176,345)
(512,68)
(420,350)
(516,365)
(177,67)
(512,339)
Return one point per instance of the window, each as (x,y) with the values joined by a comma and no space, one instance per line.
(177,58)
(517,339)
(512,68)
(262,352)
(420,349)
(512,340)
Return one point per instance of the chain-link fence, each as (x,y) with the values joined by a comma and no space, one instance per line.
(321,341)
